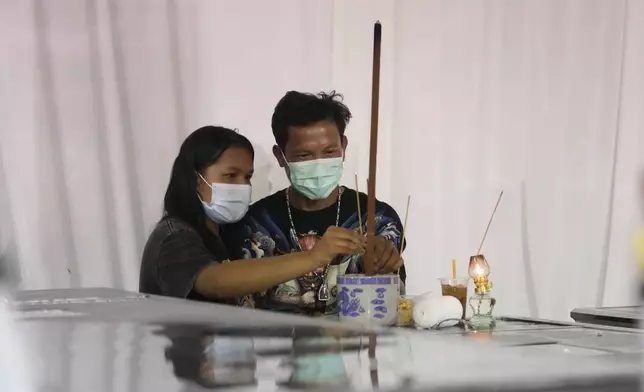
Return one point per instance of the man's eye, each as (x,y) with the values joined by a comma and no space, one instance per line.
(229,175)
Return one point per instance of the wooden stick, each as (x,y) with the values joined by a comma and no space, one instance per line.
(358,201)
(369,262)
(402,241)
(478,252)
(373,361)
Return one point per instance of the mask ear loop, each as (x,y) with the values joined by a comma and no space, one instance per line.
(284,156)
(212,189)
(204,180)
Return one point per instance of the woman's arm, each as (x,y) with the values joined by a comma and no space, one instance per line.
(241,277)
(184,265)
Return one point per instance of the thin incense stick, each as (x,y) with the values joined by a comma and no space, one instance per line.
(478,252)
(358,201)
(404,232)
(369,262)
(402,241)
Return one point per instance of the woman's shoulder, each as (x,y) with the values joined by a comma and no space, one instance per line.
(171,235)
(170,227)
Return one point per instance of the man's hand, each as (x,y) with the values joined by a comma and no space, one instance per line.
(386,256)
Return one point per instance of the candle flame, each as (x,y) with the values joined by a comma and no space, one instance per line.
(478,270)
(479,267)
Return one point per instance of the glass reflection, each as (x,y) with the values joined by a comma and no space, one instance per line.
(313,358)
(211,361)
(318,362)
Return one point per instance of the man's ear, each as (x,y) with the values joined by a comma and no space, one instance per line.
(277,152)
(345,142)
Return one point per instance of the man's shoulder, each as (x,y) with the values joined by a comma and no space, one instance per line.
(267,203)
(351,193)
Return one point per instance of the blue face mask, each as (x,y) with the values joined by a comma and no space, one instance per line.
(315,179)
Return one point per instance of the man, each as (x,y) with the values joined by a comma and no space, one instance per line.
(310,145)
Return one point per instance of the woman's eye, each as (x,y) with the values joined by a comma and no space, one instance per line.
(229,175)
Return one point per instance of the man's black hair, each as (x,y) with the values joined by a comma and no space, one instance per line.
(298,109)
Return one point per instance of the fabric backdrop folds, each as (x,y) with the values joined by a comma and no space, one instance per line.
(540,98)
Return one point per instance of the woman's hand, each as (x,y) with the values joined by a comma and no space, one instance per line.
(337,241)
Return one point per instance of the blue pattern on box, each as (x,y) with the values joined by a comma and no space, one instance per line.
(368,280)
(379,309)
(348,303)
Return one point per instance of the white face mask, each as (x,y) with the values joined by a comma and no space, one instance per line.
(229,202)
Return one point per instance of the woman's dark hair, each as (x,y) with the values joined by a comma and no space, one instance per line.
(201,149)
(298,109)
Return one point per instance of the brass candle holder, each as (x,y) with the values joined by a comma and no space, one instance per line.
(482,303)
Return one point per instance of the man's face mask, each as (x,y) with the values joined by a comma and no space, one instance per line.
(229,202)
(315,179)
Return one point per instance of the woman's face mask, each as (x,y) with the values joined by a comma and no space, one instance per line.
(229,202)
(315,179)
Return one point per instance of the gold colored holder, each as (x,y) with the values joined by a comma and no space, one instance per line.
(482,303)
(482,285)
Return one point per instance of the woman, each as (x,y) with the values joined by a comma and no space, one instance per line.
(209,188)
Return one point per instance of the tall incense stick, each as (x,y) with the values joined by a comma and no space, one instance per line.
(369,262)
(402,241)
(478,252)
(404,232)
(358,201)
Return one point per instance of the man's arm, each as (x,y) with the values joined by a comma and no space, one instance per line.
(394,231)
(389,230)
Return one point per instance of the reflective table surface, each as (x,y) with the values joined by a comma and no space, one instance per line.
(120,341)
(619,316)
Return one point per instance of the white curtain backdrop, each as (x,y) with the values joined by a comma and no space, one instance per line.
(539,98)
